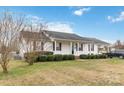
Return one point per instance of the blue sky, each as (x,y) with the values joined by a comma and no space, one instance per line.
(106,23)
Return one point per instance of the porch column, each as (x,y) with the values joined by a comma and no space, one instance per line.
(108,49)
(78,46)
(89,48)
(55,45)
(70,47)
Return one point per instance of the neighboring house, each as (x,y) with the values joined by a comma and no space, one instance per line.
(64,43)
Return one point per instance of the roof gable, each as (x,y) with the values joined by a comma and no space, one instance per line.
(33,35)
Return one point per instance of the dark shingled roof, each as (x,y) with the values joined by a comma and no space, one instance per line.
(95,40)
(72,36)
(61,35)
(99,41)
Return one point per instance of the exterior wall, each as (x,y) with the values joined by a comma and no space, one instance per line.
(86,50)
(24,47)
(66,48)
(48,46)
(95,50)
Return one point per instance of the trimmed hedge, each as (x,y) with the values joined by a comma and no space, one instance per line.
(50,58)
(39,57)
(82,56)
(71,57)
(36,56)
(92,56)
(58,57)
(42,58)
(68,57)
(37,53)
(65,57)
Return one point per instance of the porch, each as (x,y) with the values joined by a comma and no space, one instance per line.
(74,47)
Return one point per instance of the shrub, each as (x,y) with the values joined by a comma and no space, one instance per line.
(58,57)
(43,53)
(50,58)
(42,58)
(48,53)
(39,57)
(35,56)
(68,57)
(71,57)
(30,57)
(92,56)
(95,56)
(110,55)
(102,56)
(82,56)
(65,57)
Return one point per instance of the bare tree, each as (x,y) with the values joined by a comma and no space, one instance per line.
(43,36)
(28,42)
(10,26)
(33,36)
(118,45)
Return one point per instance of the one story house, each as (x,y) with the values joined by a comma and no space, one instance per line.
(64,43)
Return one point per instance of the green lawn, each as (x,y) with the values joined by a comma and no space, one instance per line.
(79,72)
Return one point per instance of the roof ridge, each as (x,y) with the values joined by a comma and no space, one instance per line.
(59,32)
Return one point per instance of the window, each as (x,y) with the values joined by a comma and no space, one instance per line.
(92,47)
(88,47)
(58,46)
(81,47)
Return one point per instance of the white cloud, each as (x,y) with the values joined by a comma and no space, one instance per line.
(52,26)
(34,19)
(60,27)
(81,11)
(119,18)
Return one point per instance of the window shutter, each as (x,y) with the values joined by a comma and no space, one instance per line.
(88,47)
(92,48)
(76,47)
(60,44)
(82,47)
(53,46)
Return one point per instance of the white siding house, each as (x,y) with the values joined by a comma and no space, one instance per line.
(66,43)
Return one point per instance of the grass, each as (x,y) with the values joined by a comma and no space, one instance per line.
(78,72)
